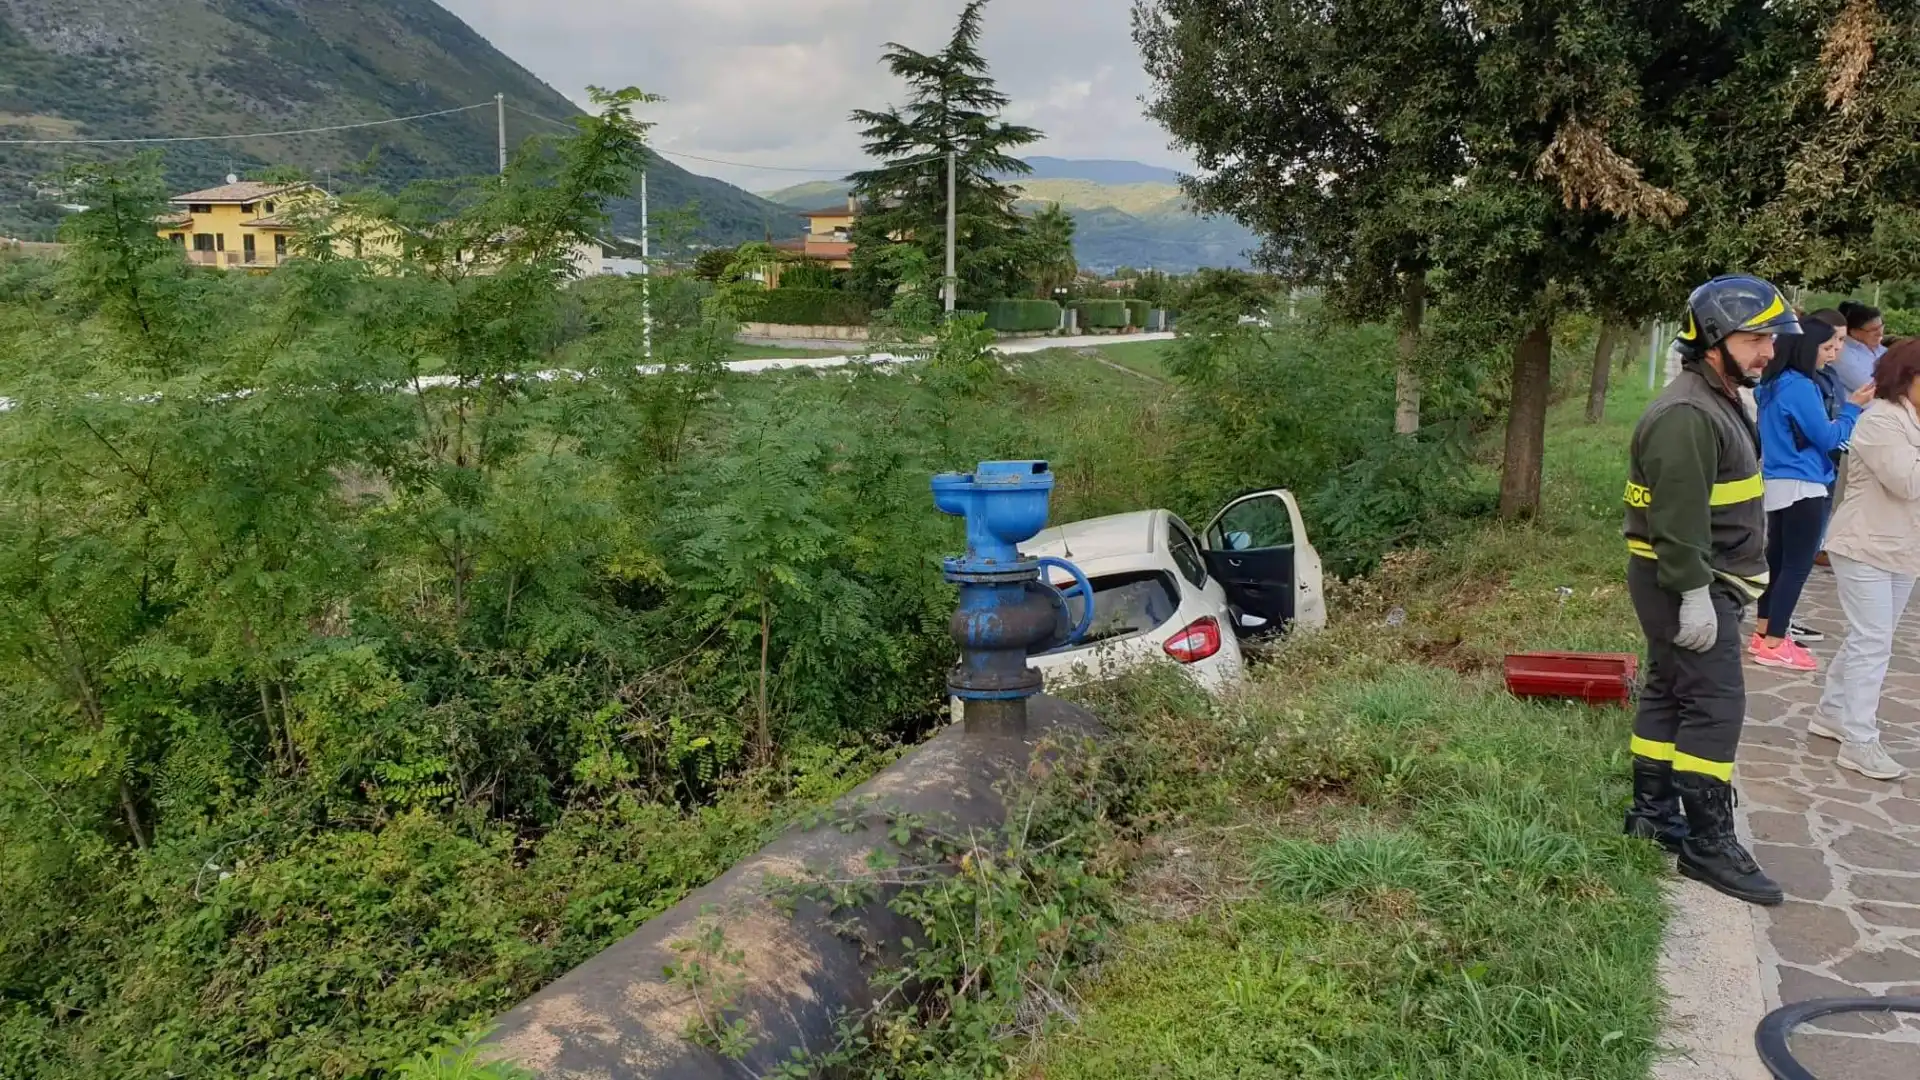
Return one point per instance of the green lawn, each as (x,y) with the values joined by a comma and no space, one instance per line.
(1384,866)
(1145,357)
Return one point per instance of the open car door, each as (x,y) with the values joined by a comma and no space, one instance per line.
(1258,549)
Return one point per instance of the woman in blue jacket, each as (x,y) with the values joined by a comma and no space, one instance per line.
(1797,441)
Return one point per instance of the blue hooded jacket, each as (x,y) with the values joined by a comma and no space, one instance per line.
(1798,435)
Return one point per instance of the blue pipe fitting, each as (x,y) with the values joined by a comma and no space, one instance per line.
(1007,611)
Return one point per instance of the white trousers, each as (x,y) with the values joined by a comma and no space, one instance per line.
(1873,600)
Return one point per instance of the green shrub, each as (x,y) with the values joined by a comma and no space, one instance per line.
(1901,322)
(1137,311)
(806,275)
(808,307)
(1102,314)
(1021,316)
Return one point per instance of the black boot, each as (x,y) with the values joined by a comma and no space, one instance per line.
(1655,814)
(1712,853)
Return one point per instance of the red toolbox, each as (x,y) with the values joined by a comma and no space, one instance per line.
(1591,677)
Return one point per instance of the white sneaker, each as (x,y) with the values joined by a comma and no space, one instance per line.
(1871,760)
(1819,726)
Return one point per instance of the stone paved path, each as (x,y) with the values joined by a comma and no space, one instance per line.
(1846,850)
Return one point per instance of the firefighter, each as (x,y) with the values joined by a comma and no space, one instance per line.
(1697,556)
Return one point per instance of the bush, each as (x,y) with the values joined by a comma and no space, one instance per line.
(806,275)
(808,307)
(1901,322)
(1021,316)
(1137,311)
(1102,314)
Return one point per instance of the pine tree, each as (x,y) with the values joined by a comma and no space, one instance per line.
(953,107)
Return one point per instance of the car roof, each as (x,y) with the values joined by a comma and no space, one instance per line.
(1142,532)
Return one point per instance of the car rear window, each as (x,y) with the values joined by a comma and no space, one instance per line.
(1127,604)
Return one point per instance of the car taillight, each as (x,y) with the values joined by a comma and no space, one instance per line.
(1198,641)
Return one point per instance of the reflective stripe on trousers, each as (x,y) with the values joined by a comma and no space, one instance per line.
(1692,705)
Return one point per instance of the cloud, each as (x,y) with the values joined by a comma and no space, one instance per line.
(771,82)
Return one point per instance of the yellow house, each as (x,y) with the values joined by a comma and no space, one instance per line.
(828,240)
(240,225)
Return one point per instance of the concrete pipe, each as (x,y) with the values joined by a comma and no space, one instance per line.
(619,1016)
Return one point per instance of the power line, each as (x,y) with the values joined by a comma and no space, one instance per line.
(745,165)
(253,135)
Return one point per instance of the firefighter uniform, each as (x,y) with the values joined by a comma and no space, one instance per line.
(1696,557)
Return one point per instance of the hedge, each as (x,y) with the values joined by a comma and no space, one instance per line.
(1137,311)
(1901,323)
(1102,314)
(808,307)
(1021,316)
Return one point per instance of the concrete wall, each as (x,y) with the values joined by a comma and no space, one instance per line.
(786,332)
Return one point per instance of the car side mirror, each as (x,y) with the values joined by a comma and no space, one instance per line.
(1239,540)
(1250,622)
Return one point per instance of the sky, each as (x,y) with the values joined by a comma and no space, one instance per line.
(771,82)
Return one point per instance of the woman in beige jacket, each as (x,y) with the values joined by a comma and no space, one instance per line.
(1874,543)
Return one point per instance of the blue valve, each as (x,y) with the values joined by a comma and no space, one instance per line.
(1080,587)
(1008,610)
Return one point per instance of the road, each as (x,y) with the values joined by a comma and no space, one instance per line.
(1006,348)
(1015,347)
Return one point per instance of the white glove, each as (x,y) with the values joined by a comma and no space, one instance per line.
(1699,622)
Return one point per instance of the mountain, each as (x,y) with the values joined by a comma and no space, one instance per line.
(1100,172)
(1118,222)
(105,69)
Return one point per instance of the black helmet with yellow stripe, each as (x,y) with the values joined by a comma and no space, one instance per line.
(1734,304)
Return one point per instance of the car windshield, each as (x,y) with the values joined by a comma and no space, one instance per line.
(1127,604)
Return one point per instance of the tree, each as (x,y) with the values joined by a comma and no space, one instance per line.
(953,107)
(1326,128)
(1046,250)
(1545,157)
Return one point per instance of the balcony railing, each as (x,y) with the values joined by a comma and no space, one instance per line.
(262,260)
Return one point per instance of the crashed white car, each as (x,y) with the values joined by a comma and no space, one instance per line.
(1163,595)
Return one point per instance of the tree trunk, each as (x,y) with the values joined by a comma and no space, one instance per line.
(765,735)
(133,816)
(1527,423)
(1602,368)
(1406,390)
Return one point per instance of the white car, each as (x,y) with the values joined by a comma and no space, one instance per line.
(1161,594)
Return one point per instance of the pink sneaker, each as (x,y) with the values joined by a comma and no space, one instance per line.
(1788,654)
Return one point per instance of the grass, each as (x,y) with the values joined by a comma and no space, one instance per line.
(1145,357)
(1389,866)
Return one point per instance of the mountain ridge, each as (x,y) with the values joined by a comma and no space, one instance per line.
(109,69)
(1138,223)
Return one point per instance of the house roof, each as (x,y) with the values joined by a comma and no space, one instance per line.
(790,245)
(831,211)
(817,250)
(245,191)
(180,217)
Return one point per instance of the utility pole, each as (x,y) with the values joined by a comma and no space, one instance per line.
(500,114)
(953,284)
(646,274)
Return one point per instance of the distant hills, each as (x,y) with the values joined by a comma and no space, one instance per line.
(1126,213)
(115,69)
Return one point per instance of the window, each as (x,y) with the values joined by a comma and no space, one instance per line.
(1126,604)
(247,209)
(219,241)
(279,245)
(202,241)
(200,208)
(246,245)
(269,206)
(1186,553)
(179,239)
(1254,524)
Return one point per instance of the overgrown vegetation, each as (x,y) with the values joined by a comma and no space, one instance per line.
(349,706)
